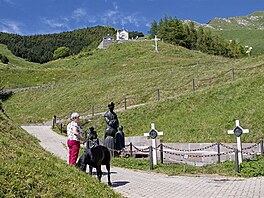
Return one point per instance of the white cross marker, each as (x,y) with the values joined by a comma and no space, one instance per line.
(156,44)
(238,131)
(153,134)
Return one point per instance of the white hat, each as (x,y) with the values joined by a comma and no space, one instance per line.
(74,115)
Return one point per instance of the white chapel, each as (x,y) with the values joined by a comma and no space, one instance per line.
(122,35)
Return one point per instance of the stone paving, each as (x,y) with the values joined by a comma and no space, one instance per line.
(137,184)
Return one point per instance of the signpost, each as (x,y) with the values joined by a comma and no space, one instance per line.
(238,131)
(153,133)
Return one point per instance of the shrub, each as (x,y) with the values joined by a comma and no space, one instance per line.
(61,52)
(4,59)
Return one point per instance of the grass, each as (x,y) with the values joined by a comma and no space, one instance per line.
(27,170)
(251,38)
(245,30)
(131,70)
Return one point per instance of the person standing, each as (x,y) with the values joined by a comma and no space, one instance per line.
(74,133)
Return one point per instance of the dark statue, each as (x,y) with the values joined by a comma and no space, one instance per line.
(92,140)
(119,140)
(112,124)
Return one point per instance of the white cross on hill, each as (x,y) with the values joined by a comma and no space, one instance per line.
(156,44)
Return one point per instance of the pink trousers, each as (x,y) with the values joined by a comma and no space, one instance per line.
(74,147)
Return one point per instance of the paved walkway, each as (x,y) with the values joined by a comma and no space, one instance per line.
(137,184)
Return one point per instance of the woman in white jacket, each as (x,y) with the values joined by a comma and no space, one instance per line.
(74,133)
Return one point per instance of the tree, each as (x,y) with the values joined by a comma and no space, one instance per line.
(135,34)
(61,52)
(153,29)
(4,59)
(40,48)
(191,35)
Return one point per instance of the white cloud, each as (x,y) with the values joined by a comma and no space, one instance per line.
(79,13)
(113,16)
(113,12)
(53,23)
(9,1)
(110,13)
(148,25)
(130,20)
(10,26)
(116,17)
(92,20)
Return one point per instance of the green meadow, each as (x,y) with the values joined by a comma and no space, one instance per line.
(191,96)
(250,38)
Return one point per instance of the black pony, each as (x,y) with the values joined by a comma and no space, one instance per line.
(95,157)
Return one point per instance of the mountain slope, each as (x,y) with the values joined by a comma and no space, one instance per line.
(254,21)
(198,100)
(245,30)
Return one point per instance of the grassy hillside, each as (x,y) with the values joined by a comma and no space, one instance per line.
(246,30)
(251,38)
(27,170)
(21,73)
(252,21)
(131,70)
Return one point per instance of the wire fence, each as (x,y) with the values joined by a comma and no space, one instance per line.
(138,99)
(193,84)
(134,151)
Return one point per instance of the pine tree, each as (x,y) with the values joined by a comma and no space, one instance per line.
(153,29)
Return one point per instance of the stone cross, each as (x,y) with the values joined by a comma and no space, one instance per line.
(153,134)
(156,44)
(238,131)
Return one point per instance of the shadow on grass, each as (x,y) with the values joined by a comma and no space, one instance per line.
(4,95)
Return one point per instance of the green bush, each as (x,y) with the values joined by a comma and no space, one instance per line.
(253,168)
(61,52)
(4,59)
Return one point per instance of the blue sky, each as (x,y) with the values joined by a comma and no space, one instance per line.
(29,17)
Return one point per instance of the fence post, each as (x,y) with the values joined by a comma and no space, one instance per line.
(236,161)
(125,103)
(61,127)
(261,147)
(130,149)
(54,121)
(193,85)
(161,153)
(158,94)
(150,158)
(93,110)
(233,73)
(218,152)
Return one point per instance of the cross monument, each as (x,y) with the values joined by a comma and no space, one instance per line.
(156,44)
(238,131)
(153,134)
